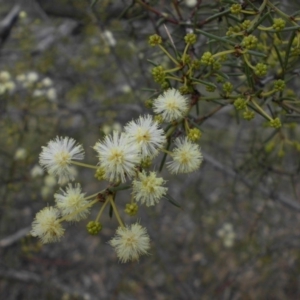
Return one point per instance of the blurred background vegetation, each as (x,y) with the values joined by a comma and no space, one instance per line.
(77,68)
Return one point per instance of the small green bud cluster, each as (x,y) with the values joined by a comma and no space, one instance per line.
(196,64)
(190,38)
(100,174)
(279,85)
(159,119)
(185,89)
(232,30)
(131,209)
(246,24)
(278,24)
(207,58)
(194,134)
(155,40)
(93,227)
(227,87)
(240,103)
(222,58)
(148,103)
(275,123)
(216,65)
(158,74)
(236,8)
(210,88)
(250,42)
(186,59)
(165,85)
(248,115)
(261,69)
(146,162)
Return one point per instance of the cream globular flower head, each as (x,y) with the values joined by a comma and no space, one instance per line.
(147,134)
(46,225)
(130,242)
(148,189)
(57,155)
(70,201)
(118,156)
(171,105)
(187,157)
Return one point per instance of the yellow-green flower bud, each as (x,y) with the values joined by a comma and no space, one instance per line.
(278,24)
(240,103)
(131,209)
(249,42)
(279,85)
(194,134)
(93,227)
(154,40)
(232,30)
(248,115)
(146,162)
(159,119)
(236,8)
(222,58)
(100,174)
(210,88)
(216,65)
(275,123)
(246,24)
(196,64)
(186,59)
(261,69)
(227,87)
(149,103)
(185,90)
(158,74)
(165,85)
(190,38)
(207,58)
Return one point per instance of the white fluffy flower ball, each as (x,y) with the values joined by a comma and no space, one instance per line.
(46,226)
(187,157)
(145,132)
(130,242)
(56,157)
(118,156)
(171,105)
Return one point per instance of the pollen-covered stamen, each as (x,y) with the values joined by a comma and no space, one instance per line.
(116,157)
(62,158)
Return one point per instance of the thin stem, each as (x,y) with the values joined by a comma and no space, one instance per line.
(174,78)
(185,50)
(173,70)
(248,62)
(101,210)
(261,110)
(78,211)
(166,151)
(77,163)
(94,195)
(287,17)
(168,54)
(116,211)
(224,52)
